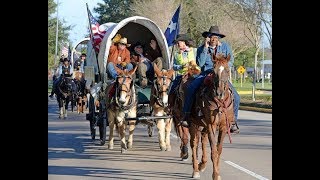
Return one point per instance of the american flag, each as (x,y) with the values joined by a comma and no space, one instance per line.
(64,51)
(97,34)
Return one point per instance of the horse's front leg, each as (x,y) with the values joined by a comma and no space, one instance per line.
(194,141)
(161,134)
(132,124)
(184,139)
(168,123)
(122,131)
(221,136)
(214,152)
(111,120)
(204,159)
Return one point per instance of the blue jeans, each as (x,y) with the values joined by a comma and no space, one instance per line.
(195,84)
(175,83)
(112,71)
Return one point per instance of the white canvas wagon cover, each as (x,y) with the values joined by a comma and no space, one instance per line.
(135,28)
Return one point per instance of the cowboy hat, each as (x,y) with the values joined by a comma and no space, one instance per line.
(137,44)
(124,41)
(182,37)
(214,30)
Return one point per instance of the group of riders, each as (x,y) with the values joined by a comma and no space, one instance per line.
(124,56)
(66,69)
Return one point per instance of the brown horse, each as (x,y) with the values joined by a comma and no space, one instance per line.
(82,97)
(212,110)
(122,104)
(176,101)
(159,103)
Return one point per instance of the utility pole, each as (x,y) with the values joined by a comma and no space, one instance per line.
(262,64)
(56,50)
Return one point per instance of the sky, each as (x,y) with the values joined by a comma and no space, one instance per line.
(74,13)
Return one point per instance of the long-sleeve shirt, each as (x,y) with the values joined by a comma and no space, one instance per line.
(176,65)
(63,66)
(118,56)
(204,56)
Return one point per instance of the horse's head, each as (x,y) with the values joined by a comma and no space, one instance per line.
(124,83)
(66,84)
(162,85)
(221,74)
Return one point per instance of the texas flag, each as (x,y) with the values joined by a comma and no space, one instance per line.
(173,29)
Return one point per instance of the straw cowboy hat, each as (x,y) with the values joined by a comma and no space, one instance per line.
(214,30)
(124,41)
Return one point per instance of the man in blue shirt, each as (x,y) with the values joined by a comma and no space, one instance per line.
(212,44)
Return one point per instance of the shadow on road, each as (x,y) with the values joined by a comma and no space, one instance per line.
(114,173)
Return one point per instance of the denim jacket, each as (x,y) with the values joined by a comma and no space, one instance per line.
(204,56)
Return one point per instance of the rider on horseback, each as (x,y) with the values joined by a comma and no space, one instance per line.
(65,70)
(182,57)
(212,44)
(80,63)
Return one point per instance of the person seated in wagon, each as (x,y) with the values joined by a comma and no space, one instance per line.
(145,58)
(119,56)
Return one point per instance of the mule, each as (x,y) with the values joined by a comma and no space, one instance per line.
(122,104)
(159,104)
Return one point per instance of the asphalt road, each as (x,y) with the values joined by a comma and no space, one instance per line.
(73,155)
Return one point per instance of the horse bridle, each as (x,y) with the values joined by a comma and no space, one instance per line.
(157,93)
(64,81)
(127,90)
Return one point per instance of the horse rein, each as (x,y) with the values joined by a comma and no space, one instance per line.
(157,93)
(127,90)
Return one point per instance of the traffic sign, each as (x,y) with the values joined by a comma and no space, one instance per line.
(241,70)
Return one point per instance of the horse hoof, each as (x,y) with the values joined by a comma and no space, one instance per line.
(196,175)
(218,178)
(168,148)
(123,150)
(129,145)
(201,167)
(185,158)
(162,148)
(110,146)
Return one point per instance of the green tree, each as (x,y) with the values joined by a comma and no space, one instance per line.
(113,10)
(63,32)
(246,58)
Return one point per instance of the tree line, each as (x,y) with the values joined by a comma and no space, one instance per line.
(244,22)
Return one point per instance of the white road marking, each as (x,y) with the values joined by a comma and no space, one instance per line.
(246,170)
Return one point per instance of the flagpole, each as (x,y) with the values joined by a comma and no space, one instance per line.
(92,41)
(175,36)
(56,50)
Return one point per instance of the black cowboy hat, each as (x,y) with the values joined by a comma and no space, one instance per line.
(182,37)
(214,30)
(138,44)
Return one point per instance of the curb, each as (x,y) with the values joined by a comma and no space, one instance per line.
(256,109)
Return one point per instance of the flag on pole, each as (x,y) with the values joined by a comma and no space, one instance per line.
(96,34)
(64,51)
(173,28)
